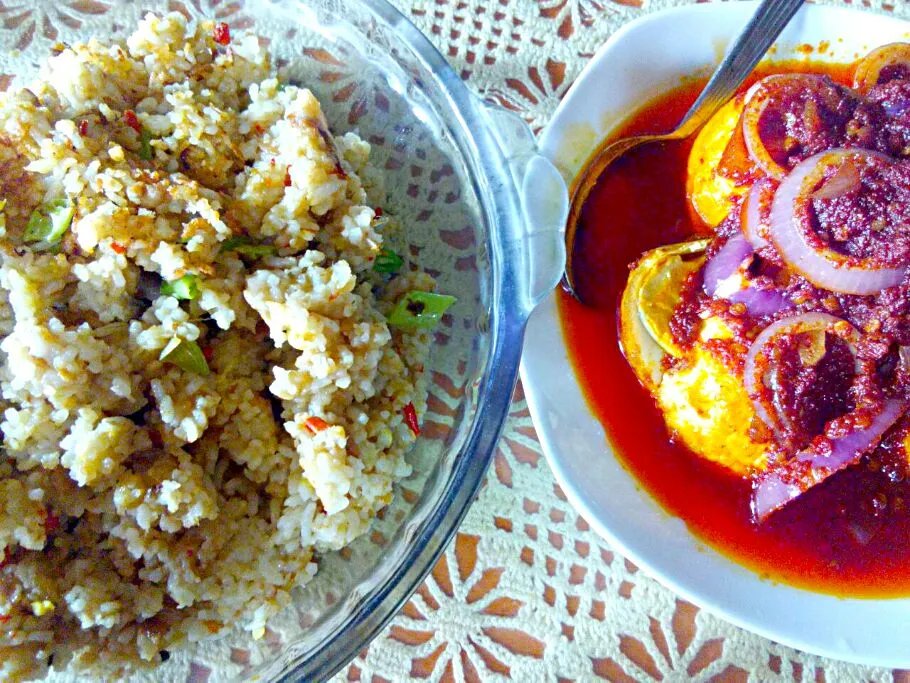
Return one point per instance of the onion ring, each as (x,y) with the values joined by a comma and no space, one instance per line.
(784,483)
(726,262)
(757,365)
(824,268)
(724,265)
(869,71)
(772,90)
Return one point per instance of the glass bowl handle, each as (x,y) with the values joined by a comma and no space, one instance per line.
(540,245)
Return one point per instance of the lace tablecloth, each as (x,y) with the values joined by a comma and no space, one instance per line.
(528,591)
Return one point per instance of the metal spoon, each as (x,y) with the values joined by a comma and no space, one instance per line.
(762,30)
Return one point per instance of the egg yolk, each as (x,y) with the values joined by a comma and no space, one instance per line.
(710,194)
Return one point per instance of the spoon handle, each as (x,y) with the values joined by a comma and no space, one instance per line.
(762,30)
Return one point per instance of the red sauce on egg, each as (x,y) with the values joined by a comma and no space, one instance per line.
(849,535)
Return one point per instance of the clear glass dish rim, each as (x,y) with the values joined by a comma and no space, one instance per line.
(508,315)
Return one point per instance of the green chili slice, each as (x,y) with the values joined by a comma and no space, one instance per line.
(49,222)
(420,310)
(145,144)
(246,247)
(387,261)
(186,355)
(186,288)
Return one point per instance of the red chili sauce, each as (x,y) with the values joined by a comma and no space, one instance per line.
(849,535)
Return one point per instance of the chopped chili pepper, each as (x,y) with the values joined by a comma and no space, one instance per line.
(377,212)
(338,171)
(387,261)
(221,34)
(83,128)
(186,355)
(315,424)
(49,222)
(190,553)
(208,353)
(420,310)
(5,618)
(410,416)
(186,287)
(287,177)
(51,521)
(119,248)
(130,119)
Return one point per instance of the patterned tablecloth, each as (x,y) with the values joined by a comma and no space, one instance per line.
(528,590)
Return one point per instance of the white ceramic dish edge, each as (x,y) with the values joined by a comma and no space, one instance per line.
(645,56)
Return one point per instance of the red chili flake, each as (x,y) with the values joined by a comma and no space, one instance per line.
(208,352)
(259,129)
(339,172)
(130,119)
(51,521)
(410,416)
(221,34)
(287,176)
(119,248)
(155,438)
(315,424)
(5,618)
(190,553)
(83,128)
(378,212)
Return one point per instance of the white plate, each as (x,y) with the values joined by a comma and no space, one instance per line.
(638,61)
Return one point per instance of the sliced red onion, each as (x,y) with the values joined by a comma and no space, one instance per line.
(724,265)
(726,262)
(761,302)
(789,216)
(754,375)
(869,70)
(845,180)
(784,483)
(755,206)
(771,90)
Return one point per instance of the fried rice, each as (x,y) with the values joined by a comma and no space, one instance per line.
(201,390)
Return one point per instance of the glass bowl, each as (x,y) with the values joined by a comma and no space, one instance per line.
(458,174)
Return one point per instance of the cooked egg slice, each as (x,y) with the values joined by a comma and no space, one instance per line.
(651,294)
(661,286)
(710,194)
(703,402)
(708,409)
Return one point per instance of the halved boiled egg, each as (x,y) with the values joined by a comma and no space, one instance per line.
(710,193)
(703,402)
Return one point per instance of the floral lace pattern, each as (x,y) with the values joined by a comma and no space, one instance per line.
(527,590)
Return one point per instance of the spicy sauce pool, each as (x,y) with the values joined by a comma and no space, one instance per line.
(850,535)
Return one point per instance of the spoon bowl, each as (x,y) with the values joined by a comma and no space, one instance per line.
(746,51)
